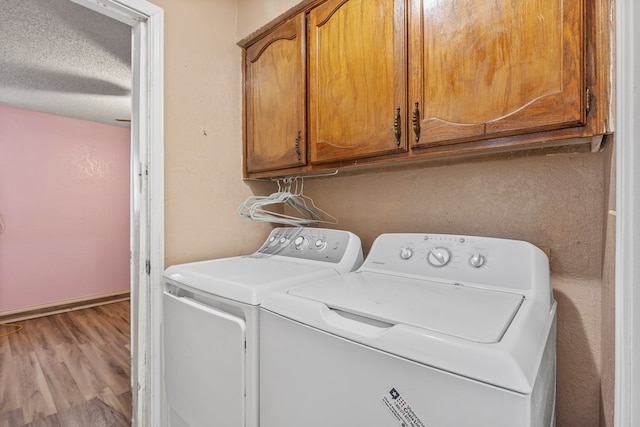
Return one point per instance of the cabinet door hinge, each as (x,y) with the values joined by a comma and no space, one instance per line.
(148,267)
(587,101)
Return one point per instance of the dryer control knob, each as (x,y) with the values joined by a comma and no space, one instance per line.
(301,242)
(406,253)
(439,257)
(320,244)
(477,260)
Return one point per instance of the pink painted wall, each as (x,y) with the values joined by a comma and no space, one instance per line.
(64,198)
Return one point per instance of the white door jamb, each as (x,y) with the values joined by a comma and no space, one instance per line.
(627,80)
(147,195)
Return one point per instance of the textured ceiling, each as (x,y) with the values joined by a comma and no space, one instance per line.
(61,58)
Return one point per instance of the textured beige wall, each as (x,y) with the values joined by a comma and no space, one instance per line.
(253,14)
(553,201)
(203,133)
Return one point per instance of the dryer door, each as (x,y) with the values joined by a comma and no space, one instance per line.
(204,364)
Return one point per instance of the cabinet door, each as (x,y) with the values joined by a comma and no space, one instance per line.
(482,68)
(357,79)
(275,79)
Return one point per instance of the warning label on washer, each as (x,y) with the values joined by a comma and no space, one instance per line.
(401,410)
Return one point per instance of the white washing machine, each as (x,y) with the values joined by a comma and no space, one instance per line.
(211,322)
(432,331)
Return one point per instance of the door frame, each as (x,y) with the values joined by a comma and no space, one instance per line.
(147,194)
(627,352)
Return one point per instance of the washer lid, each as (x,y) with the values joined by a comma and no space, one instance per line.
(473,314)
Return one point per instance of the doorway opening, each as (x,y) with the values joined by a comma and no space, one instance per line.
(146,207)
(147,195)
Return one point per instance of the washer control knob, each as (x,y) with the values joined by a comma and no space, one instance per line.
(320,244)
(406,253)
(439,257)
(300,242)
(273,240)
(284,241)
(477,260)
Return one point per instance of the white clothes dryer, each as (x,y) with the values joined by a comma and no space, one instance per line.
(432,331)
(211,322)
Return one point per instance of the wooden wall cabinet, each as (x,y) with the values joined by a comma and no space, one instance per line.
(484,68)
(275,107)
(405,80)
(357,79)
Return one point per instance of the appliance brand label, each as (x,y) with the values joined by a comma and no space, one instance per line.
(401,410)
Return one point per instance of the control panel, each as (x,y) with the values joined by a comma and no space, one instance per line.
(455,259)
(317,244)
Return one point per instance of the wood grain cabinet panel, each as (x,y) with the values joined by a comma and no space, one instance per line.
(404,80)
(486,68)
(275,108)
(357,79)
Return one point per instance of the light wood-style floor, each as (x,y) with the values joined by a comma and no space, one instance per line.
(67,370)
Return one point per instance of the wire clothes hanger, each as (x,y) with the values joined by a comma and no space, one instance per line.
(300,209)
